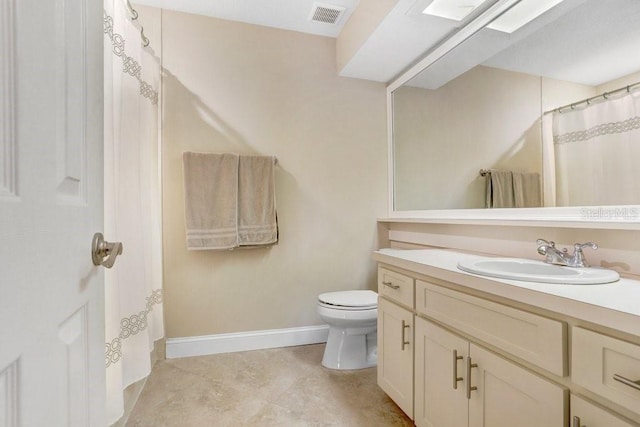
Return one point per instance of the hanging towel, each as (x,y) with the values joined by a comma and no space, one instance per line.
(526,190)
(499,189)
(257,223)
(229,201)
(211,200)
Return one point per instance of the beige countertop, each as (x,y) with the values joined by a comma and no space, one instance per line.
(614,305)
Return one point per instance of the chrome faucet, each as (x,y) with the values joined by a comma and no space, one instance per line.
(555,256)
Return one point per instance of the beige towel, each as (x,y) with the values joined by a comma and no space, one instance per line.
(257,201)
(211,200)
(526,190)
(500,189)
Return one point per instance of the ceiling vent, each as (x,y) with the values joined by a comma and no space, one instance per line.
(326,13)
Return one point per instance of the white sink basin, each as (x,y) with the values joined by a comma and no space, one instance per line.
(537,271)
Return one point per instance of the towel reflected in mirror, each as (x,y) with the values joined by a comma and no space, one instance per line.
(508,189)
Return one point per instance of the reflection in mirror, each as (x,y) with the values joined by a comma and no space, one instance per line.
(481,108)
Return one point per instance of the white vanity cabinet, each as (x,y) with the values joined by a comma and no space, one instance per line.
(587,414)
(606,366)
(536,339)
(460,384)
(509,395)
(395,338)
(439,378)
(456,350)
(440,373)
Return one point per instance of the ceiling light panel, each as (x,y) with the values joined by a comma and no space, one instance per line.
(452,9)
(521,14)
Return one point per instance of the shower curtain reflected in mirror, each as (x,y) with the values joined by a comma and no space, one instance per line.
(597,153)
(133,287)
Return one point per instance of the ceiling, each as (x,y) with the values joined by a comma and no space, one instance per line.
(400,39)
(285,14)
(591,33)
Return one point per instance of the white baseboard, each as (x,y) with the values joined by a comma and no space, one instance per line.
(243,341)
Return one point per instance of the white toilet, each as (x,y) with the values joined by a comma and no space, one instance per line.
(352,317)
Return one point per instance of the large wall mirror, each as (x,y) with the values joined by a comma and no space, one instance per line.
(473,132)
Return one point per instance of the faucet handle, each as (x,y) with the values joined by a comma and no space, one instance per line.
(580,246)
(544,242)
(578,256)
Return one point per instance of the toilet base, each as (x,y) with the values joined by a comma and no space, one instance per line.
(351,348)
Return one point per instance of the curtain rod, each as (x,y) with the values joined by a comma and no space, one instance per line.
(134,16)
(587,101)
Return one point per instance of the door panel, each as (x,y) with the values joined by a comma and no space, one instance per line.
(508,395)
(51,203)
(437,402)
(395,358)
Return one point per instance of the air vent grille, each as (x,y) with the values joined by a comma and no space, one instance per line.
(326,13)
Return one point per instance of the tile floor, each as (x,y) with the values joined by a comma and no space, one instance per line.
(277,387)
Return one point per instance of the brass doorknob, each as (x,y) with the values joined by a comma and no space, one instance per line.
(104,253)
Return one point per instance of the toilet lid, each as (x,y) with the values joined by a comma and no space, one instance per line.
(360,299)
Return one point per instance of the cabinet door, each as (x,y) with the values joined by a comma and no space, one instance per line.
(508,395)
(440,394)
(395,353)
(586,414)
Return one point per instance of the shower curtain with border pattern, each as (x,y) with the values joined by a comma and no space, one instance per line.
(133,287)
(597,152)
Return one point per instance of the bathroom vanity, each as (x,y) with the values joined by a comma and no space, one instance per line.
(458,349)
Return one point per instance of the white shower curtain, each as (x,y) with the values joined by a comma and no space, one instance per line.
(133,287)
(597,150)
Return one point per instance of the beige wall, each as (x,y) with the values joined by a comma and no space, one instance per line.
(486,118)
(618,249)
(629,79)
(233,87)
(241,88)
(362,23)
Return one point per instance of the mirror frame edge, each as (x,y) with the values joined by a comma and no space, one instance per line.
(572,217)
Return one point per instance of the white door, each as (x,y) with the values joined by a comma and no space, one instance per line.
(52,359)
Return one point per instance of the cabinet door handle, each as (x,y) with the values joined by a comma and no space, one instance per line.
(391,285)
(576,422)
(627,381)
(404,340)
(469,367)
(456,378)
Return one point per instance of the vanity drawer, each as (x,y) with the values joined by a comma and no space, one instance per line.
(533,338)
(597,360)
(584,413)
(395,286)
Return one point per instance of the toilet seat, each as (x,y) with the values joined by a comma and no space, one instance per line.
(349,300)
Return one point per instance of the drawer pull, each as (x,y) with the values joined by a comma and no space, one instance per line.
(626,381)
(576,422)
(391,285)
(456,378)
(469,387)
(404,341)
